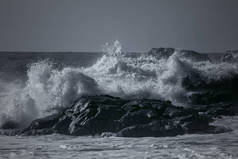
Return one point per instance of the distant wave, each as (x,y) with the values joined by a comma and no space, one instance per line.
(181,76)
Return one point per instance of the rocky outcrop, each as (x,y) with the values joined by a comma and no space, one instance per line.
(95,115)
(165,53)
(161,52)
(211,91)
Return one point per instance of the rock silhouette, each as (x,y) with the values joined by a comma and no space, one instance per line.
(106,115)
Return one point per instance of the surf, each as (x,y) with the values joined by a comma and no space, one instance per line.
(183,77)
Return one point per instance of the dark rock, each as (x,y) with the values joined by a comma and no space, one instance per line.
(153,129)
(211,91)
(42,126)
(106,116)
(161,52)
(10,124)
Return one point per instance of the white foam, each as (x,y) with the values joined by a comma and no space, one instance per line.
(115,74)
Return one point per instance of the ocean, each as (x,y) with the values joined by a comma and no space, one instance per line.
(37,84)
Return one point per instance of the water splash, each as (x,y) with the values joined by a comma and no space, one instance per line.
(115,73)
(112,49)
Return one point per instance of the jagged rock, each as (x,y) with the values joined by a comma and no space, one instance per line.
(106,116)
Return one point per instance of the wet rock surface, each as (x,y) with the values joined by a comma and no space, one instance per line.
(96,115)
(213,91)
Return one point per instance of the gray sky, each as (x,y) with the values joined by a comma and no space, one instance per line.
(85,25)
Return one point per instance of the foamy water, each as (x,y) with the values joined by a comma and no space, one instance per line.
(45,86)
(147,75)
(219,146)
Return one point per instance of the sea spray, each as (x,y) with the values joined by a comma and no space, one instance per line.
(176,77)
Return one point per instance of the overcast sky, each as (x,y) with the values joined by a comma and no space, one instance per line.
(85,25)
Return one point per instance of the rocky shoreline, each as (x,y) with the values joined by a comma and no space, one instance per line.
(106,115)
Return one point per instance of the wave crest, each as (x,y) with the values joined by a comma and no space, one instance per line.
(177,75)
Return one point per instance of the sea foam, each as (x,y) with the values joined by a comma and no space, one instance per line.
(115,73)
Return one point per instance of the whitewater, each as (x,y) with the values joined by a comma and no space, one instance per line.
(149,75)
(180,76)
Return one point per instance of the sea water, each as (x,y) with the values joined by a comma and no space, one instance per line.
(196,146)
(35,84)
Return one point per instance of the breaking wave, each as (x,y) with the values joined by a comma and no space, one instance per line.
(181,76)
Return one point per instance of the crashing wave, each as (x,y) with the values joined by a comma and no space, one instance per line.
(231,56)
(181,76)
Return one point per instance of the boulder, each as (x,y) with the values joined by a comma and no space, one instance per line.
(106,115)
